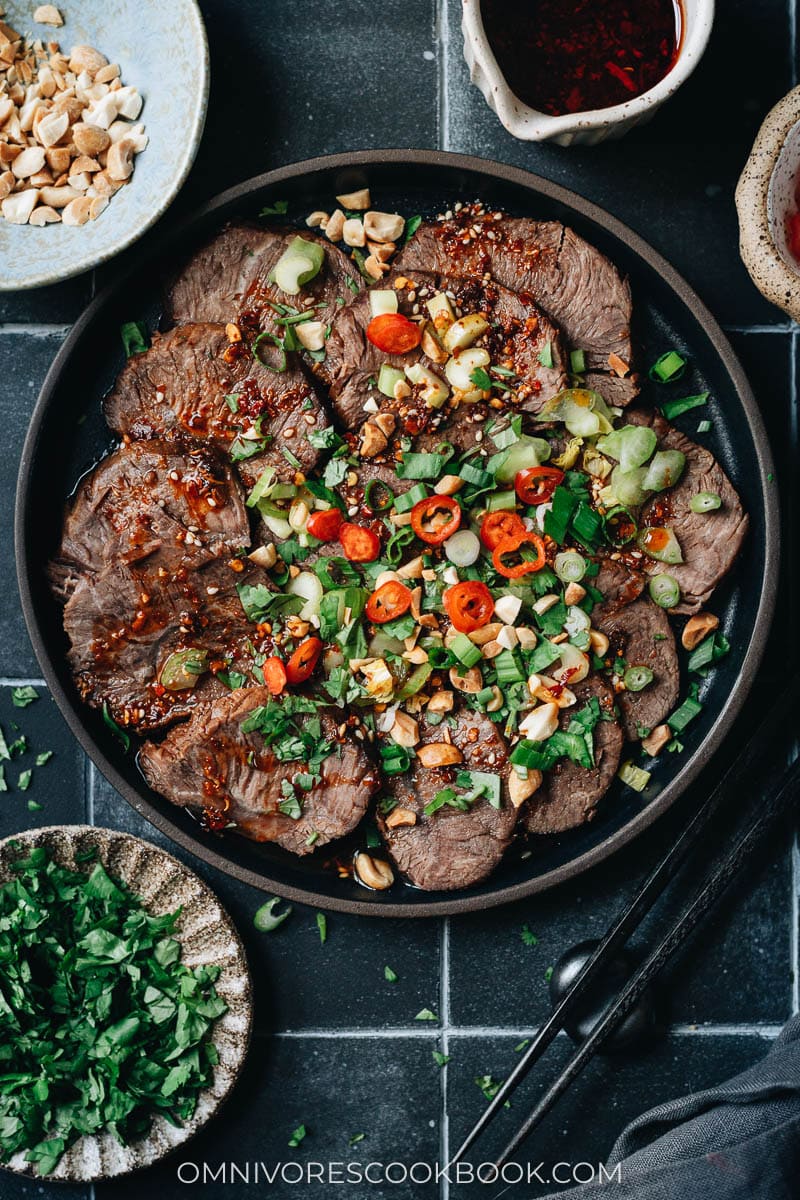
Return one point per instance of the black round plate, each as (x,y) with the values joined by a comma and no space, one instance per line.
(67,435)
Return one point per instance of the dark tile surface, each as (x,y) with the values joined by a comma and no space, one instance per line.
(24,361)
(54,794)
(338,1047)
(596,1109)
(387,1090)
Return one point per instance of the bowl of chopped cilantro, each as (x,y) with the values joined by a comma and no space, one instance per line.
(125,1003)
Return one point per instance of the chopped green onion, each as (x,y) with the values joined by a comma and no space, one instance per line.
(704,502)
(507,668)
(546,355)
(676,408)
(232,401)
(391,977)
(406,500)
(637,678)
(668,367)
(300,262)
(570,567)
(664,470)
(465,651)
(577,362)
(634,776)
(526,756)
(388,378)
(474,475)
(395,760)
(266,919)
(275,341)
(661,544)
(501,500)
(704,427)
(385,499)
(664,590)
(134,338)
(586,525)
(114,727)
(710,650)
(557,518)
(685,713)
(415,682)
(322,926)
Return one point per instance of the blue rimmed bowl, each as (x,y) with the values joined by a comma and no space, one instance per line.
(165,56)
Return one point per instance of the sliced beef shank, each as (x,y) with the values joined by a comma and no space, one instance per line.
(710,542)
(193,382)
(640,633)
(518,335)
(124,623)
(570,793)
(578,287)
(209,764)
(228,279)
(451,849)
(172,505)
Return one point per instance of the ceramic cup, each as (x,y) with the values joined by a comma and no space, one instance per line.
(766,194)
(586,128)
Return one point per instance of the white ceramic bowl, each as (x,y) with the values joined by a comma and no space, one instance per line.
(162,51)
(585,128)
(765,196)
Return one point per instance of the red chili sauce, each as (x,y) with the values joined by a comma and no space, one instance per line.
(793,225)
(565,57)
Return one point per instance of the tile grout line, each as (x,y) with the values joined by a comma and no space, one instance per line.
(444,1005)
(8,681)
(405,1033)
(443,63)
(793,40)
(90,793)
(42,331)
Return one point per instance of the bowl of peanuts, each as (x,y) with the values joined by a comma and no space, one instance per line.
(101,115)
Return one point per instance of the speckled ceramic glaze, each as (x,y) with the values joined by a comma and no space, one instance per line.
(206,934)
(765,195)
(162,51)
(585,128)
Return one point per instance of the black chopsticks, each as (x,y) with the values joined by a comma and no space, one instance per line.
(774,807)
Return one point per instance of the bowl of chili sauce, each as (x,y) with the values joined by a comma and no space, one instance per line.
(768,205)
(584,71)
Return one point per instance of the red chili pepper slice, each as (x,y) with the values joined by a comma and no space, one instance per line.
(469,605)
(359,544)
(435,519)
(326,524)
(514,545)
(535,485)
(497,526)
(274,673)
(301,665)
(394,334)
(388,602)
(793,235)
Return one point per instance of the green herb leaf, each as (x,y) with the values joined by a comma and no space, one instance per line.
(322,926)
(298,1136)
(21,697)
(134,338)
(529,938)
(278,208)
(440,1059)
(389,975)
(425,1014)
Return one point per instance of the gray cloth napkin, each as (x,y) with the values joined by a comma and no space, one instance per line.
(737,1141)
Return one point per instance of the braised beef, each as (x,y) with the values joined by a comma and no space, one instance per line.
(228,279)
(570,793)
(172,505)
(578,287)
(194,382)
(125,622)
(451,849)
(210,765)
(520,337)
(641,636)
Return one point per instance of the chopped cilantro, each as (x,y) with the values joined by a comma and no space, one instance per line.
(24,781)
(21,697)
(322,926)
(389,975)
(425,1014)
(278,208)
(529,938)
(90,971)
(297,1136)
(440,1059)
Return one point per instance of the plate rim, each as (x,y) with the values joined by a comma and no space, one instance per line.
(71,832)
(90,262)
(453,903)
